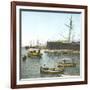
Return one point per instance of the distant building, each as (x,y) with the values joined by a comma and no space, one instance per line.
(62,45)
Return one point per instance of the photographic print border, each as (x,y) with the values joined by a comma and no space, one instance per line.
(14,44)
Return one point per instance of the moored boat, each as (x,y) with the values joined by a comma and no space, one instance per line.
(34,53)
(56,70)
(67,62)
(24,57)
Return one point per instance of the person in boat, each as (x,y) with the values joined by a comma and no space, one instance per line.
(39,51)
(44,67)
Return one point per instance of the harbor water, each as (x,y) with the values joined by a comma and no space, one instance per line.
(30,68)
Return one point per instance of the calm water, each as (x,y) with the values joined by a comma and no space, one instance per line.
(30,68)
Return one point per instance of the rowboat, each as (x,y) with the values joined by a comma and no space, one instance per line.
(34,53)
(57,70)
(67,62)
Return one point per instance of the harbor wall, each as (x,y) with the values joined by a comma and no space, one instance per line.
(60,45)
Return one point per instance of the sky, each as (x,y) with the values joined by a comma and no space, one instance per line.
(48,26)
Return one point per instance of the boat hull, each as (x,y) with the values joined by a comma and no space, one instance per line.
(51,71)
(68,64)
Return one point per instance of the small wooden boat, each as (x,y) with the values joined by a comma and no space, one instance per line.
(67,62)
(34,53)
(24,57)
(52,70)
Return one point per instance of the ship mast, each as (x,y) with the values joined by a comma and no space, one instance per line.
(70,29)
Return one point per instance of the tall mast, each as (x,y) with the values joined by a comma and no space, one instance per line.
(70,29)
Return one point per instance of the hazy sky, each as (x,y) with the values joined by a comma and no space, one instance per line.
(44,26)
